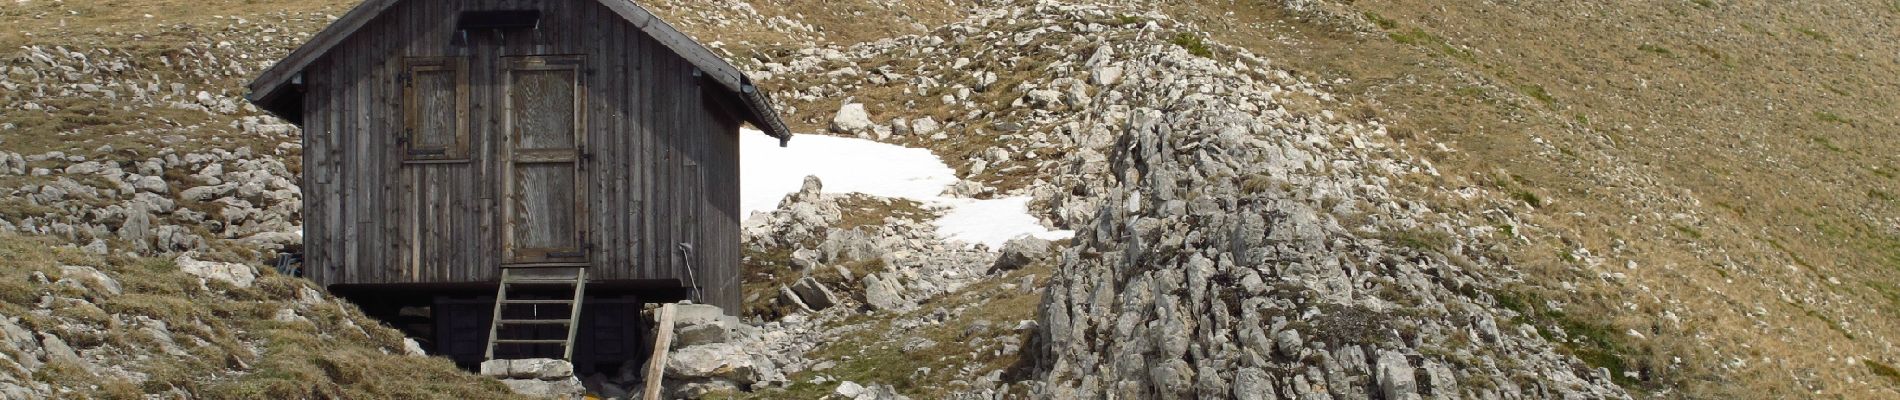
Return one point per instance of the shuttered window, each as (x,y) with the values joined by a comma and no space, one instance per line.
(435,109)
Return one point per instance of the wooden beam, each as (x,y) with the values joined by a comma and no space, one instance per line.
(656,364)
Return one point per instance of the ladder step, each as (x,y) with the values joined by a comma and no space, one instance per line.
(574,277)
(541,281)
(533,322)
(531,341)
(537,302)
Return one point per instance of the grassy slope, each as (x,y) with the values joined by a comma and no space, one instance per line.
(1741,154)
(231,346)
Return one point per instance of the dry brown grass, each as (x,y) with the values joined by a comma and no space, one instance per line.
(43,21)
(233,348)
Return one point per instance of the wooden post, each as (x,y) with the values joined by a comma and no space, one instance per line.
(656,364)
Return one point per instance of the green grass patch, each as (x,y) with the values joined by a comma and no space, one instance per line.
(1831,324)
(1537,92)
(1381,21)
(1193,43)
(1126,19)
(1528,198)
(1813,34)
(1882,369)
(1589,339)
(1419,239)
(1825,143)
(1686,230)
(1654,49)
(1508,230)
(1825,116)
(1419,37)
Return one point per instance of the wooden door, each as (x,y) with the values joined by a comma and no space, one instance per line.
(544,211)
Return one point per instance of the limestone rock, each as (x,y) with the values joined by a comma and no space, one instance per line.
(883,293)
(814,294)
(238,275)
(851,119)
(81,273)
(1020,252)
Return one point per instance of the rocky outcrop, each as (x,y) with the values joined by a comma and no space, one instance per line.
(711,352)
(1230,247)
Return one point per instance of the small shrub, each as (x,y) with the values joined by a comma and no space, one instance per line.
(1827,144)
(1528,198)
(1688,230)
(1537,92)
(1882,369)
(1421,240)
(1825,116)
(18,292)
(1256,184)
(1193,43)
(1129,19)
(1381,21)
(1816,35)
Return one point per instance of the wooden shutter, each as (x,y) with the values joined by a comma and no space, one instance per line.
(435,108)
(545,211)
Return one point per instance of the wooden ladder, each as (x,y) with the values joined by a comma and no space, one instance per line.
(538,276)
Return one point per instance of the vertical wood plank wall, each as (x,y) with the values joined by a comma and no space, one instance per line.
(664,165)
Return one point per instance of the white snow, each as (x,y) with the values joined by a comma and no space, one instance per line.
(768,172)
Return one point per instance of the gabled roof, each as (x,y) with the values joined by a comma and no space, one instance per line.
(267,88)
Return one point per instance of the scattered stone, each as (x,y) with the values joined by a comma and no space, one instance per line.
(1020,252)
(851,119)
(814,294)
(238,275)
(883,293)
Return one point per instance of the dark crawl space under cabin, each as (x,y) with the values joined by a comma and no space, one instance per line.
(572,158)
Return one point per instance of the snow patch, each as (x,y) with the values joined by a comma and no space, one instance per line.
(768,172)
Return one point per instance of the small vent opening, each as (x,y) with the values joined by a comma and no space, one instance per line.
(498,19)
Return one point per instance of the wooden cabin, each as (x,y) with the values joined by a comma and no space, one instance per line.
(446,141)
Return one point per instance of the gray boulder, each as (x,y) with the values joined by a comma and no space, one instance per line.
(1020,252)
(814,294)
(851,118)
(883,293)
(238,275)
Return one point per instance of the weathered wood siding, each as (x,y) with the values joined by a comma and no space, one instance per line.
(661,166)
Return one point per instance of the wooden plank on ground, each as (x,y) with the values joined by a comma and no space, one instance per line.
(656,365)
